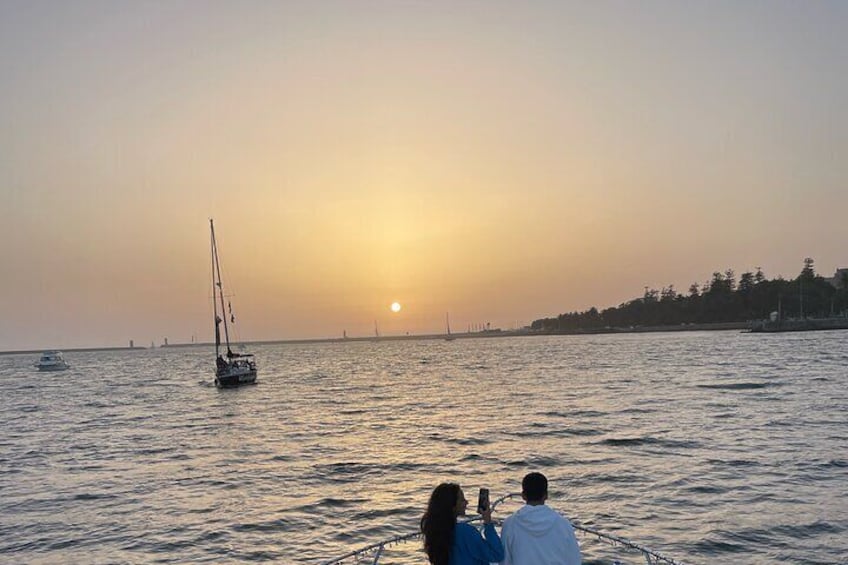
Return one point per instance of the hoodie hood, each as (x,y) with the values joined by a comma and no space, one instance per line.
(536,520)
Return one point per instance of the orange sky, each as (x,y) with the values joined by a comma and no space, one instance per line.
(497,161)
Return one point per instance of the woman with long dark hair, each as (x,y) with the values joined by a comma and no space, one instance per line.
(448,542)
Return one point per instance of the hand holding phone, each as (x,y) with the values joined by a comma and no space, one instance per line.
(483,501)
(483,506)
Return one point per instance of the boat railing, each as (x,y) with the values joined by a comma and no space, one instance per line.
(373,552)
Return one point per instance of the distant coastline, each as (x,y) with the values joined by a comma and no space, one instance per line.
(73,349)
(473,335)
(754,303)
(715,326)
(750,301)
(486,334)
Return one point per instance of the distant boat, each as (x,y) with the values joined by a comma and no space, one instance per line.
(775,324)
(448,336)
(52,361)
(238,368)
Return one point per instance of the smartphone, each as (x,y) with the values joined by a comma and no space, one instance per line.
(483,500)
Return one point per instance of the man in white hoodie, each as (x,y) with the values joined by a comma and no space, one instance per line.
(537,534)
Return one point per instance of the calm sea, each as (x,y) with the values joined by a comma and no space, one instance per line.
(710,447)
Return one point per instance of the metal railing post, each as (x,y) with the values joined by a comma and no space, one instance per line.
(379,553)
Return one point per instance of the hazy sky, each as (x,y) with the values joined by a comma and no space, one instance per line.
(503,161)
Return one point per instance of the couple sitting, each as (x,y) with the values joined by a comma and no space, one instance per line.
(535,535)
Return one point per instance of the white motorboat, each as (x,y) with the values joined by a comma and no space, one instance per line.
(52,361)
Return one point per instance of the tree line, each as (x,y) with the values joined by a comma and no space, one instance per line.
(723,298)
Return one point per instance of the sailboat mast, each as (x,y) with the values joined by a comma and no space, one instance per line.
(214,291)
(447,321)
(220,286)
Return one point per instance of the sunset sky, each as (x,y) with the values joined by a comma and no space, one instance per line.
(503,161)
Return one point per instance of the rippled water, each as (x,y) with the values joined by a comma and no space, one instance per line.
(709,447)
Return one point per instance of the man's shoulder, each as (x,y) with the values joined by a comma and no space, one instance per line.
(560,516)
(556,516)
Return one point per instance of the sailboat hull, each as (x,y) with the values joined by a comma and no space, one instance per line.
(235,378)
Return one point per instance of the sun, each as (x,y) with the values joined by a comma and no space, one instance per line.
(395,307)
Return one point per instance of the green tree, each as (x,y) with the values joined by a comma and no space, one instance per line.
(808,272)
(730,280)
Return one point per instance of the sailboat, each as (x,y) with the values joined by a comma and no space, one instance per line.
(448,336)
(237,368)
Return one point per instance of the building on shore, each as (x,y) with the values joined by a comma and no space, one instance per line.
(840,278)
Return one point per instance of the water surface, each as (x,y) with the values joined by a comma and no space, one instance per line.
(706,446)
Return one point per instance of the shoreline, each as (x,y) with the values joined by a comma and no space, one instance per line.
(719,326)
(74,349)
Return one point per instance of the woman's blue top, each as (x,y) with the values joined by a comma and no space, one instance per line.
(470,548)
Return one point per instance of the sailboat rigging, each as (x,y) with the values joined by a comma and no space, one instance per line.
(238,368)
(448,336)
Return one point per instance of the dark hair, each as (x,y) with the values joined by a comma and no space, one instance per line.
(534,487)
(438,523)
